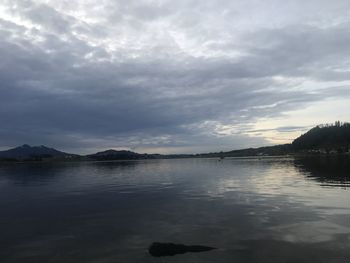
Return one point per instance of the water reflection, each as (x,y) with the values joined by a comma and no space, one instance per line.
(329,171)
(268,210)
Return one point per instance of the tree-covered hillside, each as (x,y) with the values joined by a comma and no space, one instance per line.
(334,137)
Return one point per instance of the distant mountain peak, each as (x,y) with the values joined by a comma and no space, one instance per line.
(112,151)
(26,151)
(112,154)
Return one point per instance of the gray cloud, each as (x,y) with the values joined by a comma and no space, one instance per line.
(164,76)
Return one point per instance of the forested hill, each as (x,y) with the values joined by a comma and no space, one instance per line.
(334,137)
(323,139)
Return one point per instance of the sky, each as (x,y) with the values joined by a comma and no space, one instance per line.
(183,76)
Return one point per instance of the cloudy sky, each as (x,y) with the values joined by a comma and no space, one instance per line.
(170,76)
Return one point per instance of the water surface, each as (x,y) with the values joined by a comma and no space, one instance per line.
(253,210)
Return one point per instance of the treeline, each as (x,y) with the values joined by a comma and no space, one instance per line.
(276,150)
(325,138)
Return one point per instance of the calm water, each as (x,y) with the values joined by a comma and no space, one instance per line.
(268,210)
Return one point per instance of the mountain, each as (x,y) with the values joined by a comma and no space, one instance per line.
(325,138)
(129,155)
(113,155)
(322,139)
(118,155)
(25,152)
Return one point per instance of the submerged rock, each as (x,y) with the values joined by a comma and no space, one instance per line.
(169,249)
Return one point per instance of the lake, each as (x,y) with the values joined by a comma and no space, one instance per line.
(252,210)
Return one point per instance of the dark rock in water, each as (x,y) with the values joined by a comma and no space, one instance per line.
(169,249)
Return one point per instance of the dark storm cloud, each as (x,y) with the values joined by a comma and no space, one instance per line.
(71,83)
